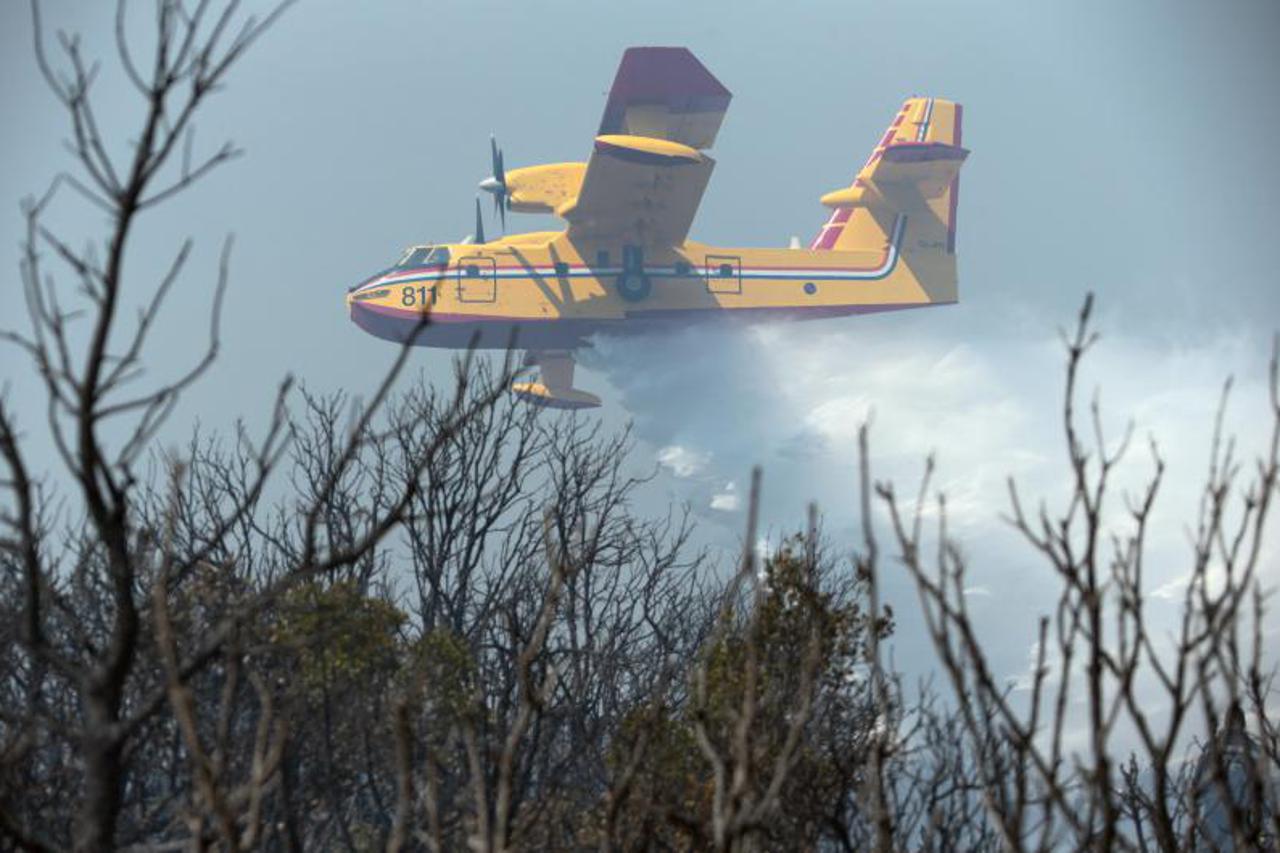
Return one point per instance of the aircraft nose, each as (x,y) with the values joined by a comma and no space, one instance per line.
(367,280)
(362,309)
(361,294)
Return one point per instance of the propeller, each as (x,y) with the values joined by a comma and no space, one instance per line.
(479,223)
(496,183)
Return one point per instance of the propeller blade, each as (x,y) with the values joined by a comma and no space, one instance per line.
(496,183)
(479,223)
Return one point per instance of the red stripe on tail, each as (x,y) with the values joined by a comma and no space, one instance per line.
(955,187)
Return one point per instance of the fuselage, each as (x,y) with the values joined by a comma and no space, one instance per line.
(552,293)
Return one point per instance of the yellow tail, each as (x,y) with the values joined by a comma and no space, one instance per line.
(912,180)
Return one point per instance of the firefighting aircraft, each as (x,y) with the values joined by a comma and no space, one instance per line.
(625,263)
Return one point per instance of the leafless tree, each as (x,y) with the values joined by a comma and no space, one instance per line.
(434,619)
(77,581)
(1098,644)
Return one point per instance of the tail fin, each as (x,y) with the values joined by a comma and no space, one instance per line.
(913,173)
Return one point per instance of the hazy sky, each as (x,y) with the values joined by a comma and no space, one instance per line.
(1127,148)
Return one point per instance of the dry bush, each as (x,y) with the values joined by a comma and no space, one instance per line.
(446,628)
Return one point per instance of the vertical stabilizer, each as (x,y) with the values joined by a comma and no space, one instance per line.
(907,191)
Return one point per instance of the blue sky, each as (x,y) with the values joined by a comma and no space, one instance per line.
(1124,148)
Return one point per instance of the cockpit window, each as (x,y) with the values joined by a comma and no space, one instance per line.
(425,256)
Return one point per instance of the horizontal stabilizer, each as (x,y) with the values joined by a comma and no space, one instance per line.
(931,166)
(928,167)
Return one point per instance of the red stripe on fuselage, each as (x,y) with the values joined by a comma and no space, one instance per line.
(454,331)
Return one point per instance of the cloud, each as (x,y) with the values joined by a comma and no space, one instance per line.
(792,396)
(727,500)
(682,462)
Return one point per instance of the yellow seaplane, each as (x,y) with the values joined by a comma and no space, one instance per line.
(625,263)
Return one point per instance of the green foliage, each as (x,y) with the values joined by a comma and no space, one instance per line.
(442,669)
(338,635)
(672,780)
(806,619)
(794,610)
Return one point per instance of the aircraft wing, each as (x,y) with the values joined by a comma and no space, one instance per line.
(665,93)
(646,174)
(639,191)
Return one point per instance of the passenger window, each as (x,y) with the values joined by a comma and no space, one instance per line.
(726,270)
(473,271)
(562,269)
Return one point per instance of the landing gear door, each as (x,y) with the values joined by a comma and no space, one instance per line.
(724,274)
(477,279)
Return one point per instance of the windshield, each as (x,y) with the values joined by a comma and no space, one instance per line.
(425,256)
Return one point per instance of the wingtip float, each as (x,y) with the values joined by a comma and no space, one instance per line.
(624,262)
